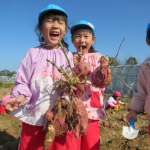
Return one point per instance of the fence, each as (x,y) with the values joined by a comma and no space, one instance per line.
(129,75)
(7,82)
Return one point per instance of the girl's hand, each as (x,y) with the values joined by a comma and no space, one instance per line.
(77,58)
(12,104)
(132,114)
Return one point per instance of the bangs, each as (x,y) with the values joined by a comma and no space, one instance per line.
(56,15)
(83,29)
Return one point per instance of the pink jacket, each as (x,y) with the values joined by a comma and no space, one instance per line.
(111,102)
(5,98)
(141,99)
(93,96)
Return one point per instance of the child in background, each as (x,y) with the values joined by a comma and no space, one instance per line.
(141,100)
(83,35)
(113,100)
(2,108)
(33,93)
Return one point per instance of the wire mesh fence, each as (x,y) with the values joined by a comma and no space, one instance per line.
(129,75)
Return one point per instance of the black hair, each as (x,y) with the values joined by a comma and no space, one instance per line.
(56,15)
(115,97)
(148,34)
(87,29)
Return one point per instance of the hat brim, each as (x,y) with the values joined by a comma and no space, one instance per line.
(72,29)
(42,14)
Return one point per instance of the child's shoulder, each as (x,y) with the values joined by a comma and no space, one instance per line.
(146,61)
(70,53)
(32,52)
(34,49)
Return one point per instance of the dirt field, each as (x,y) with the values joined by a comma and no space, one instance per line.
(111,137)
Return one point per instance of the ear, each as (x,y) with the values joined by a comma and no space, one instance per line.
(65,32)
(40,28)
(71,39)
(93,39)
(148,42)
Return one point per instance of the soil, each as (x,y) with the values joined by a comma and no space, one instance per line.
(111,137)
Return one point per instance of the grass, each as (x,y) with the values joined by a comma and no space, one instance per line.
(4,84)
(2,114)
(14,123)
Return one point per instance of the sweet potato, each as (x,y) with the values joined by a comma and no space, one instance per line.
(69,113)
(64,116)
(84,68)
(60,124)
(80,87)
(102,75)
(50,135)
(81,116)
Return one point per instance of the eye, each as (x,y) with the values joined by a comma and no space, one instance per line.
(61,22)
(49,20)
(77,36)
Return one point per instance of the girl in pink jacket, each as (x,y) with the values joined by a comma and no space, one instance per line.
(83,35)
(113,100)
(33,94)
(141,100)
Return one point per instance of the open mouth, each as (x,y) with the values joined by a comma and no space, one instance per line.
(83,47)
(54,34)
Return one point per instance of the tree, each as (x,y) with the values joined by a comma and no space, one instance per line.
(116,63)
(8,73)
(131,61)
(11,73)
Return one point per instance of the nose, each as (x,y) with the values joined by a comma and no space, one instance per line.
(81,39)
(55,24)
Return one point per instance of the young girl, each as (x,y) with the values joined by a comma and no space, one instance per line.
(33,93)
(113,100)
(141,100)
(2,108)
(83,35)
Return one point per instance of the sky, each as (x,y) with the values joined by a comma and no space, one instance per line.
(113,21)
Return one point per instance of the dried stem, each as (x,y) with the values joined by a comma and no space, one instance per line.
(117,52)
(123,82)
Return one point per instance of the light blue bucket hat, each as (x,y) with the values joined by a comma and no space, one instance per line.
(51,7)
(83,22)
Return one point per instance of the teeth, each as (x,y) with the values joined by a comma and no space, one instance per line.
(55,33)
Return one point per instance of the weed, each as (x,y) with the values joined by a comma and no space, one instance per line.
(14,123)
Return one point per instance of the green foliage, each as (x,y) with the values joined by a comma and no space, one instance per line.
(8,73)
(106,96)
(7,84)
(131,61)
(15,123)
(116,63)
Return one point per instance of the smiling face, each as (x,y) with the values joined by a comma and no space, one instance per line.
(84,39)
(53,30)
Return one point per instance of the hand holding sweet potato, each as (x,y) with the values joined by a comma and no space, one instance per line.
(102,75)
